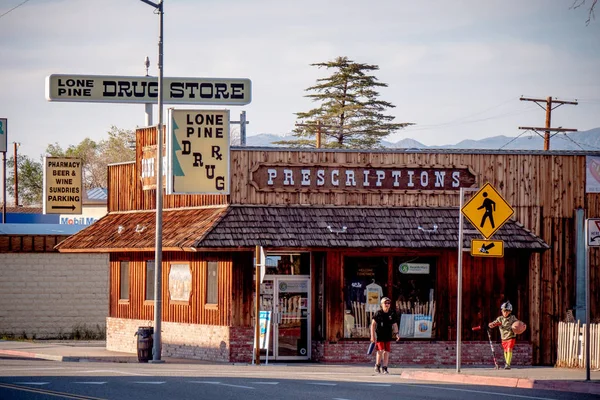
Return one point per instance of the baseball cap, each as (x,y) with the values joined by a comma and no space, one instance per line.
(384,299)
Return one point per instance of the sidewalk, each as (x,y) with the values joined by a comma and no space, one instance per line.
(548,378)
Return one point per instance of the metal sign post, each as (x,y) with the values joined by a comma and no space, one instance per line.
(592,234)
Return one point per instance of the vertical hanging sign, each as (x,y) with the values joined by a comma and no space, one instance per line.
(3,135)
(198,152)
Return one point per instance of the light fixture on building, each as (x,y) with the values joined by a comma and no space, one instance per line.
(139,228)
(434,230)
(337,231)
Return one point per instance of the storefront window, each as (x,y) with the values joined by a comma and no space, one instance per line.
(414,298)
(288,264)
(366,281)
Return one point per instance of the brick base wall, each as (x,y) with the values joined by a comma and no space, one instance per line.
(425,353)
(202,342)
(227,344)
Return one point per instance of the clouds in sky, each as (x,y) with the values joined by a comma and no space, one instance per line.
(456,69)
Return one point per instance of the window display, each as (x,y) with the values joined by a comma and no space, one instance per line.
(366,281)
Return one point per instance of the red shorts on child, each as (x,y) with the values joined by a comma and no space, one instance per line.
(509,344)
(387,346)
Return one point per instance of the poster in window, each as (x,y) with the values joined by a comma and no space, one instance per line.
(180,282)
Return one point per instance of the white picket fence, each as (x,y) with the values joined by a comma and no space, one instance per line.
(571,345)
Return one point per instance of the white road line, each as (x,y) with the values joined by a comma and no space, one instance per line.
(90,383)
(150,382)
(376,384)
(266,383)
(321,383)
(207,382)
(31,383)
(237,386)
(481,391)
(112,371)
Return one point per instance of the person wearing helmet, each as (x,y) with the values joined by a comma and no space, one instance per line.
(504,323)
(383,327)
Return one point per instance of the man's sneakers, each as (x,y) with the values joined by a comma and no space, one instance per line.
(507,366)
(381,370)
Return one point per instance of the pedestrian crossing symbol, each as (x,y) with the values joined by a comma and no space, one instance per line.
(487,211)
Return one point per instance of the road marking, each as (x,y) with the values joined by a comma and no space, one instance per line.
(321,383)
(481,391)
(376,384)
(266,383)
(150,382)
(90,383)
(223,384)
(31,383)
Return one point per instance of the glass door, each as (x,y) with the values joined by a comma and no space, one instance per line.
(289,300)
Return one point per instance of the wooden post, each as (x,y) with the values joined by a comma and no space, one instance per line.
(318,135)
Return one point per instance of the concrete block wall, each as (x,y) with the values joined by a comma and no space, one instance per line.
(202,342)
(426,353)
(49,295)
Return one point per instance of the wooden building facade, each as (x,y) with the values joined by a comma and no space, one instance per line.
(340,227)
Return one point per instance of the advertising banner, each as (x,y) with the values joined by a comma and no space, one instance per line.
(592,174)
(198,152)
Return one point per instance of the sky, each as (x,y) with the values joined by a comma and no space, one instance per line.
(454,68)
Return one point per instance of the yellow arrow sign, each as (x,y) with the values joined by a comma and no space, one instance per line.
(487,248)
(487,210)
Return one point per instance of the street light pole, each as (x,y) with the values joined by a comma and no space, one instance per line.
(159,192)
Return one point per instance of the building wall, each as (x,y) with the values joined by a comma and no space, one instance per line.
(193,341)
(52,295)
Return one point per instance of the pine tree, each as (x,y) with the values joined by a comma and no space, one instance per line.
(350,114)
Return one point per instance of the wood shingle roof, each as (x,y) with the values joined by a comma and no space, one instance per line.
(353,227)
(244,227)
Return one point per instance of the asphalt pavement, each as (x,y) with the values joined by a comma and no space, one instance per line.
(549,378)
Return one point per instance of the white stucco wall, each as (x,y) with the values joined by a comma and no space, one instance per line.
(50,295)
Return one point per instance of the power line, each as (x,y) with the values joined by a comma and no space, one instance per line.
(15,7)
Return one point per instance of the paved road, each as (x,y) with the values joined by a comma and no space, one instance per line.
(41,380)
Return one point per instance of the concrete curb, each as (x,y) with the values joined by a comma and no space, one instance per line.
(525,383)
(50,357)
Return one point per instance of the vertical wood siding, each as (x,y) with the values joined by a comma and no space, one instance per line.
(195,311)
(544,190)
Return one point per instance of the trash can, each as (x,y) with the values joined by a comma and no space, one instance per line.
(145,342)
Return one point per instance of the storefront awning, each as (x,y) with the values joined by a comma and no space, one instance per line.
(135,231)
(353,227)
(244,227)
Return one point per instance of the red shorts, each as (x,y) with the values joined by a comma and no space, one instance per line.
(509,344)
(386,346)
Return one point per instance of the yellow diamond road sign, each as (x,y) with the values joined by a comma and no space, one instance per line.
(487,210)
(487,248)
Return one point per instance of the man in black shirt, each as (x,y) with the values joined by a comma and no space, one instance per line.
(383,326)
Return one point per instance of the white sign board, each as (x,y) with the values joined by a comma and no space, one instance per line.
(593,230)
(144,89)
(198,152)
(3,134)
(592,174)
(62,185)
(414,268)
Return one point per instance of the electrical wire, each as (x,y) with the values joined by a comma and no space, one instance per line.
(513,139)
(14,8)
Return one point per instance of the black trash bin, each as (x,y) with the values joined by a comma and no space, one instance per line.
(145,343)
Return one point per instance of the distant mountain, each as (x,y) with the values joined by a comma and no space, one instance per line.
(585,140)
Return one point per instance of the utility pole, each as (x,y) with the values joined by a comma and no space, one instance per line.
(548,107)
(319,132)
